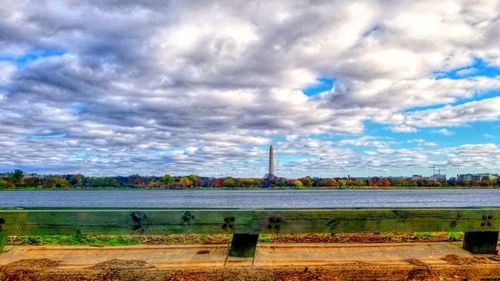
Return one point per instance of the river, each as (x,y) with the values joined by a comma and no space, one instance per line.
(259,198)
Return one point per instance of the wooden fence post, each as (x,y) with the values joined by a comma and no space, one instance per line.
(243,245)
(3,236)
(484,242)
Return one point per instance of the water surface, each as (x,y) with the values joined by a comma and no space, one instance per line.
(253,198)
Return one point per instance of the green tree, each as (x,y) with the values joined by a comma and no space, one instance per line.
(18,178)
(2,184)
(194,179)
(340,183)
(76,180)
(229,182)
(398,182)
(487,182)
(307,181)
(166,179)
(360,182)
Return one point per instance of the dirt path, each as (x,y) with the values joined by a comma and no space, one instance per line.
(273,261)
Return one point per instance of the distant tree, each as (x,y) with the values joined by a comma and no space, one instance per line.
(166,179)
(136,181)
(384,182)
(58,182)
(332,183)
(2,184)
(219,182)
(475,183)
(154,184)
(195,179)
(280,182)
(18,178)
(76,180)
(298,184)
(307,181)
(487,182)
(360,182)
(229,182)
(32,182)
(185,182)
(398,182)
(437,183)
(342,182)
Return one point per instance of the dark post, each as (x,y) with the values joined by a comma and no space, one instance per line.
(484,242)
(243,245)
(3,236)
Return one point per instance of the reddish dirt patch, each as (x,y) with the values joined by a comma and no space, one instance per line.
(113,270)
(459,260)
(120,264)
(31,264)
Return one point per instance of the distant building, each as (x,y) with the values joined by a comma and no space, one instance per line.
(438,177)
(476,177)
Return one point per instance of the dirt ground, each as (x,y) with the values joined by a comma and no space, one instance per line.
(44,270)
(450,267)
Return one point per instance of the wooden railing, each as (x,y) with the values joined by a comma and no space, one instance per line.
(481,225)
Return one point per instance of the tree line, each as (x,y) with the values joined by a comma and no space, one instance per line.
(18,179)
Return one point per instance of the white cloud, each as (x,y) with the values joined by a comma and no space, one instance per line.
(444,132)
(483,110)
(191,86)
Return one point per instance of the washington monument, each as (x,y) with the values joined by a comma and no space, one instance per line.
(271,163)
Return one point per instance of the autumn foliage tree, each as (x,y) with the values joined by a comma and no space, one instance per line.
(185,182)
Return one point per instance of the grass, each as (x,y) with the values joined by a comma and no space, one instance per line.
(178,239)
(263,238)
(423,235)
(455,236)
(74,240)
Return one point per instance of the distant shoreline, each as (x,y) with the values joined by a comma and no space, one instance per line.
(242,188)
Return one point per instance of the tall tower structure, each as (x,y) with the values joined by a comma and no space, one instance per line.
(271,162)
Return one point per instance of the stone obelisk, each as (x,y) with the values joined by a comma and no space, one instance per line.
(271,163)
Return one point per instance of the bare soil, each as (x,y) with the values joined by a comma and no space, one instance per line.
(45,270)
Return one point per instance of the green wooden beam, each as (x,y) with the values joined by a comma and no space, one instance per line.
(251,221)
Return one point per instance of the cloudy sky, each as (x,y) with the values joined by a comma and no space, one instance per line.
(363,88)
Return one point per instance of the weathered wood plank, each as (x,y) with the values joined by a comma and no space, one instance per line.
(165,221)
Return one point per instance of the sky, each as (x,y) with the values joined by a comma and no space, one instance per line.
(359,88)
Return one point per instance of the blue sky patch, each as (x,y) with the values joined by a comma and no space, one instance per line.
(478,68)
(24,59)
(323,84)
